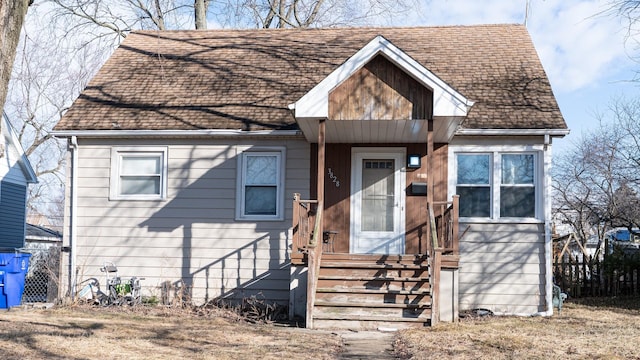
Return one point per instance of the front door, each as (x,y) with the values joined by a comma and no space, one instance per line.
(377,201)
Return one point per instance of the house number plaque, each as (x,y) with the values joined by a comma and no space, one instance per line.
(333,177)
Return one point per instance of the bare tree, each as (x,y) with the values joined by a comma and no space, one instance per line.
(317,13)
(126,15)
(200,13)
(104,18)
(12,14)
(49,72)
(596,184)
(629,10)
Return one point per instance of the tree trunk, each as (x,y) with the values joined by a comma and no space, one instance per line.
(12,14)
(200,11)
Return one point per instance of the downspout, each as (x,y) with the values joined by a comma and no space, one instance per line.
(73,147)
(548,241)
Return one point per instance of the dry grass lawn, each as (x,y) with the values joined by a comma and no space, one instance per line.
(152,333)
(593,329)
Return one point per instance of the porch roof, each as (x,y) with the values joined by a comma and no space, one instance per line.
(246,79)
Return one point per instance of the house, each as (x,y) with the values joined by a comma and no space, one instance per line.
(16,174)
(433,146)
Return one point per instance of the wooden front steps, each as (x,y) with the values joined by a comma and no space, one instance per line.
(372,291)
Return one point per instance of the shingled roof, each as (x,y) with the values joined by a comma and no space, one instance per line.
(245,79)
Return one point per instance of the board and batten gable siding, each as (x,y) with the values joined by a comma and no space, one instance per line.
(13,199)
(504,263)
(191,238)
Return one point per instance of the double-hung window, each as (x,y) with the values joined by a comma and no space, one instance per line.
(260,184)
(497,184)
(138,173)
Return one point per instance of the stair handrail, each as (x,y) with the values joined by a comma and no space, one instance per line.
(446,225)
(436,262)
(314,258)
(309,243)
(303,216)
(444,240)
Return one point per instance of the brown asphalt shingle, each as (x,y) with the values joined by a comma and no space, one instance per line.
(245,79)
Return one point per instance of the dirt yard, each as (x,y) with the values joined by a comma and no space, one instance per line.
(592,330)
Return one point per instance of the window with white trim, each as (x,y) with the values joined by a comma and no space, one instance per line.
(496,184)
(474,184)
(260,184)
(517,186)
(138,173)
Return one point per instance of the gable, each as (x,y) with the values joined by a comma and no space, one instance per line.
(447,101)
(382,91)
(14,164)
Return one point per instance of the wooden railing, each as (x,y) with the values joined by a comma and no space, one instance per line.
(304,214)
(446,225)
(444,240)
(307,246)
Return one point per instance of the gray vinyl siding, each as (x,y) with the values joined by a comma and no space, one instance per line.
(502,268)
(12,214)
(192,238)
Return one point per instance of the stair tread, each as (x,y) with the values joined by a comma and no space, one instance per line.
(373,278)
(370,318)
(371,305)
(373,257)
(356,265)
(359,289)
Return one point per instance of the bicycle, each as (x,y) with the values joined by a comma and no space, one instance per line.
(119,291)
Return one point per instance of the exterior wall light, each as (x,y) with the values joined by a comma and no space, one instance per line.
(413,161)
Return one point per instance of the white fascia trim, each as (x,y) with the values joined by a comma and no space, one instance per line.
(49,239)
(548,241)
(512,132)
(170,133)
(447,101)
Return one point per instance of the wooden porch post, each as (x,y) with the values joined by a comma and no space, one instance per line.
(315,247)
(435,251)
(430,174)
(321,157)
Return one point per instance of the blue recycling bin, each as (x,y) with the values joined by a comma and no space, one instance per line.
(13,271)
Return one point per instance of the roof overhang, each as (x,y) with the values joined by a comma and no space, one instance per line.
(381,131)
(213,133)
(449,106)
(512,132)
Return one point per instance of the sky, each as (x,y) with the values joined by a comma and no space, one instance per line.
(586,54)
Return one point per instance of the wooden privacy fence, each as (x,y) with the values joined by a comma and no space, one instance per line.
(613,273)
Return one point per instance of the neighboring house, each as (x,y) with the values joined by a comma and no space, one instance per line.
(627,241)
(16,174)
(187,148)
(42,237)
(44,245)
